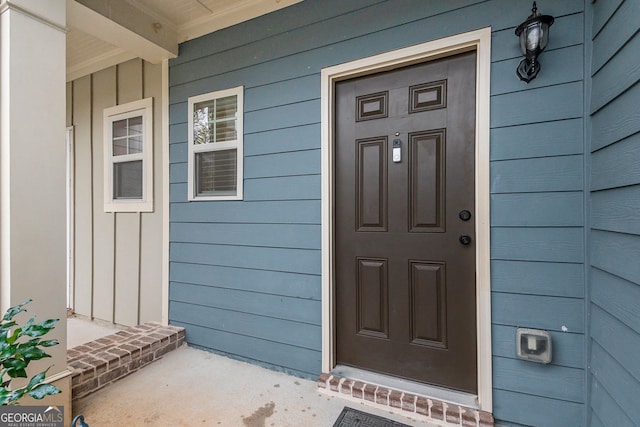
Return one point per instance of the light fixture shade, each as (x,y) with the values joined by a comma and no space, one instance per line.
(534,36)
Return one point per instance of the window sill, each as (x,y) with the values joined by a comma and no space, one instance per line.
(129,206)
(214,198)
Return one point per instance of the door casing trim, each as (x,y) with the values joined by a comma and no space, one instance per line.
(480,41)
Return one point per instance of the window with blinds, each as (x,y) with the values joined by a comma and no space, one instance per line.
(215,145)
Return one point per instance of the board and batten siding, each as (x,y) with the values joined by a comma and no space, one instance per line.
(614,309)
(117,256)
(245,275)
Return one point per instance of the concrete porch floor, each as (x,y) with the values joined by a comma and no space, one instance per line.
(192,387)
(81,331)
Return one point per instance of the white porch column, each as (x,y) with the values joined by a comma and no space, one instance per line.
(32,171)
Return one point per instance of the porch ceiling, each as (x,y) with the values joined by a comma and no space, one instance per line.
(102,33)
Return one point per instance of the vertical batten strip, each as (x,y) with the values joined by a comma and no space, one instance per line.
(139,278)
(165,191)
(91,126)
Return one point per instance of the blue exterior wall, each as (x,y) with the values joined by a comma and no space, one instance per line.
(614,310)
(245,276)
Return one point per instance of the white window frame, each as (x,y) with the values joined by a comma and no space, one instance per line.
(236,144)
(144,108)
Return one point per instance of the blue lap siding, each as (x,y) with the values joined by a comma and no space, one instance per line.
(245,276)
(614,285)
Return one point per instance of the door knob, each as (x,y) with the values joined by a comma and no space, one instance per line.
(465,215)
(465,240)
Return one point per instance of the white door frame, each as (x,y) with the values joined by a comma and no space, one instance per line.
(70,217)
(480,41)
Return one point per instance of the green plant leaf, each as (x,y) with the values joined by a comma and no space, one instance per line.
(12,311)
(5,327)
(43,390)
(49,324)
(40,328)
(37,379)
(35,331)
(4,395)
(17,373)
(16,354)
(13,336)
(14,363)
(31,343)
(8,351)
(34,353)
(30,322)
(8,397)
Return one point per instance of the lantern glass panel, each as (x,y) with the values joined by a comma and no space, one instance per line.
(544,36)
(533,36)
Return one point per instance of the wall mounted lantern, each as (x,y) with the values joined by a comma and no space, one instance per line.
(534,36)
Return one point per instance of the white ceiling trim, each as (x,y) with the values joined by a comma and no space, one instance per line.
(130,29)
(164,20)
(106,29)
(240,12)
(99,62)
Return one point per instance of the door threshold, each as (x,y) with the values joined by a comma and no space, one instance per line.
(446,395)
(430,403)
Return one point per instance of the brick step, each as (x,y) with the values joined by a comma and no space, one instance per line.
(98,363)
(433,410)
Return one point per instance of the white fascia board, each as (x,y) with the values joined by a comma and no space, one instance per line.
(241,11)
(126,27)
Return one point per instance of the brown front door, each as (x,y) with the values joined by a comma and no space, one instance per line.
(404,226)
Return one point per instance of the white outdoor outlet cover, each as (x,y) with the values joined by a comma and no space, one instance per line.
(533,345)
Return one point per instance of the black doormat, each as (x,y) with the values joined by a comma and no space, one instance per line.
(350,417)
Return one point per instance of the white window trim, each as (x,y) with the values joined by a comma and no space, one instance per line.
(144,108)
(237,144)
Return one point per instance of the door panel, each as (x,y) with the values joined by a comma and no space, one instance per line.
(405,285)
(428,304)
(372,289)
(371,196)
(426,180)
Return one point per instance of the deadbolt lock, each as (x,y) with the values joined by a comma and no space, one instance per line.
(465,240)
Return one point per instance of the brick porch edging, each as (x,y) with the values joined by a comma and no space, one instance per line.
(435,410)
(98,363)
